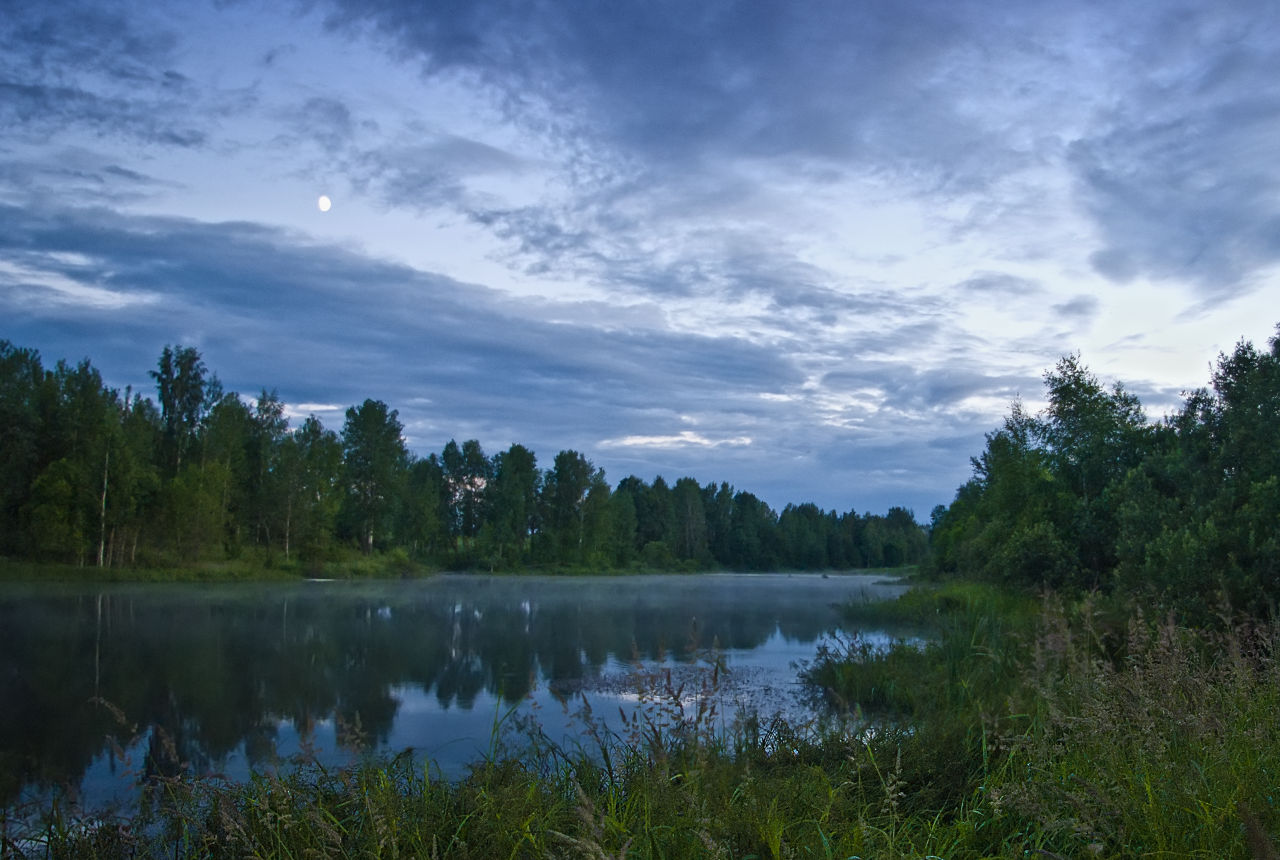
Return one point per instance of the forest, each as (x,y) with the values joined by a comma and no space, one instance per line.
(1181,513)
(93,476)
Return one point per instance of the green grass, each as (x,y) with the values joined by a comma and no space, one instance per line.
(1022,728)
(1090,731)
(251,568)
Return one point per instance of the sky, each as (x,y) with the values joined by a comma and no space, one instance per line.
(812,249)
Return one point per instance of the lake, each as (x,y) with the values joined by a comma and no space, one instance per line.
(101,687)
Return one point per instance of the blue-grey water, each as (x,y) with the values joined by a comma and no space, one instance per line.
(102,687)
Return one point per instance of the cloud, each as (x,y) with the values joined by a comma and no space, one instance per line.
(58,37)
(100,72)
(719,222)
(73,173)
(667,122)
(439,172)
(999,284)
(829,81)
(1080,308)
(909,389)
(1177,175)
(684,439)
(325,121)
(1163,121)
(33,290)
(257,299)
(40,110)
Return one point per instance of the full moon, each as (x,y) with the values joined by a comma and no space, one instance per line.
(324,203)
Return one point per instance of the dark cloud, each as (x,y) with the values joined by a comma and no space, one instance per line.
(999,284)
(73,173)
(327,122)
(645,102)
(1179,175)
(437,173)
(1082,308)
(99,69)
(59,38)
(828,80)
(40,110)
(908,388)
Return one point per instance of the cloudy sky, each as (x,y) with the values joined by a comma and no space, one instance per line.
(813,249)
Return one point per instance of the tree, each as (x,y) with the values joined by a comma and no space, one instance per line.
(717,501)
(193,509)
(564,489)
(227,437)
(424,509)
(467,471)
(1092,438)
(802,531)
(1199,518)
(655,521)
(57,524)
(374,458)
(266,491)
(22,384)
(622,518)
(133,498)
(1014,494)
(311,470)
(597,523)
(511,502)
(752,534)
(691,522)
(83,428)
(184,392)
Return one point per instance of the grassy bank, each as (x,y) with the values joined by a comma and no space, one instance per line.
(252,568)
(1014,727)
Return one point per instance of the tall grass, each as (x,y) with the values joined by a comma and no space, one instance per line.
(1062,729)
(1162,742)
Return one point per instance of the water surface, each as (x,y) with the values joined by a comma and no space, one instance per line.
(103,687)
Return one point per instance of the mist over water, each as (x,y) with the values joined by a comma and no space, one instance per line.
(104,687)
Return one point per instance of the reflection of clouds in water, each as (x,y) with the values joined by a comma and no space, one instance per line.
(429,664)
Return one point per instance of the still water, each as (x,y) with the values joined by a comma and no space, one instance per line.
(102,687)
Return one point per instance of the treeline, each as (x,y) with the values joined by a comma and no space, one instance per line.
(94,476)
(1090,494)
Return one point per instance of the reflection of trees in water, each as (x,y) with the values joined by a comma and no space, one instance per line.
(208,671)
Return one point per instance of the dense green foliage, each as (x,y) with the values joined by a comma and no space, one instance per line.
(1185,512)
(92,476)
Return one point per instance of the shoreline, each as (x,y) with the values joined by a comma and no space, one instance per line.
(364,569)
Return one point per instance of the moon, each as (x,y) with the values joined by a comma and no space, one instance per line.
(324,203)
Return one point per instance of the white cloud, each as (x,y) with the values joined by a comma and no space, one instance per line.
(34,287)
(684,439)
